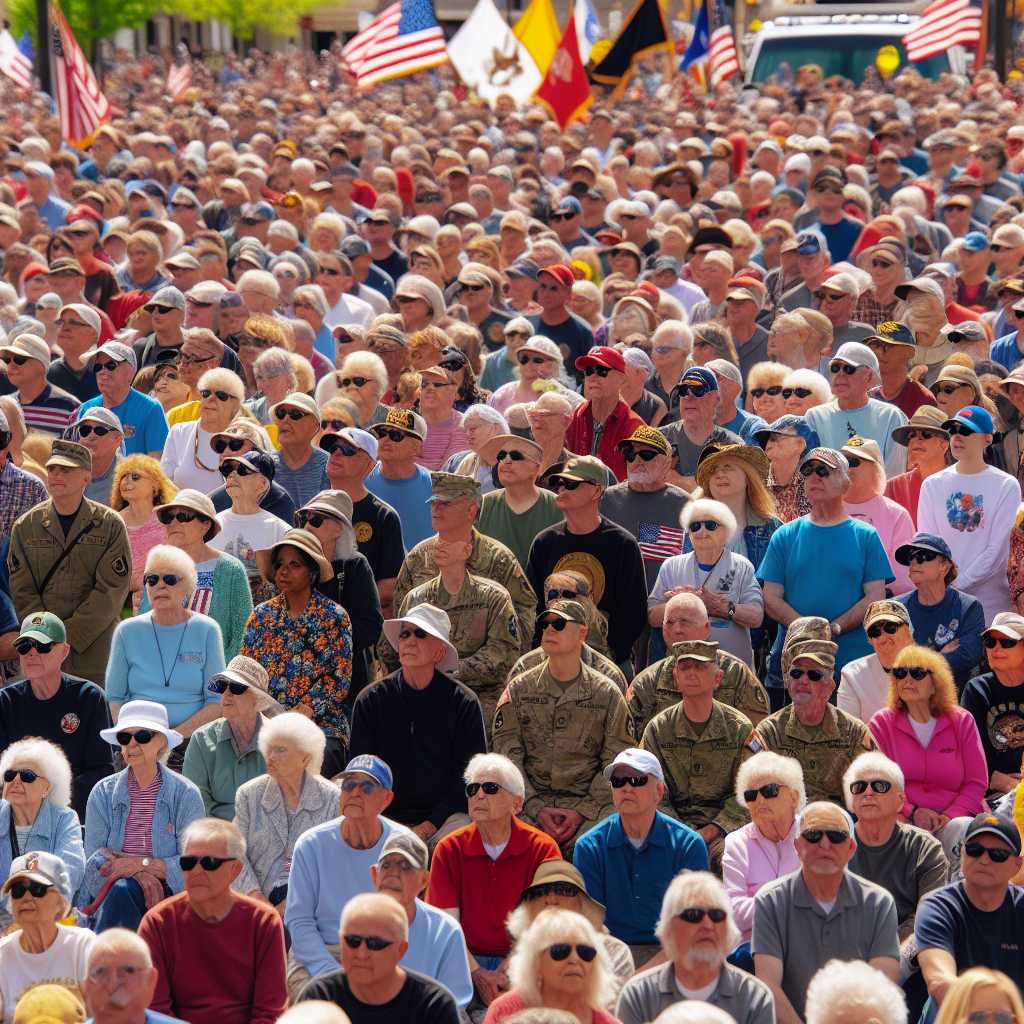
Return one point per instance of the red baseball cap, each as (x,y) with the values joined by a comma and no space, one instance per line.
(83,212)
(648,291)
(602,355)
(561,273)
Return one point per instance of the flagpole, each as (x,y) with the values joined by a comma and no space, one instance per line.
(43,47)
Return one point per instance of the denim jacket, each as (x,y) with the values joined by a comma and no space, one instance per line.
(177,806)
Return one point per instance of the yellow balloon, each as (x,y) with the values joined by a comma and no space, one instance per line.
(755,25)
(887,60)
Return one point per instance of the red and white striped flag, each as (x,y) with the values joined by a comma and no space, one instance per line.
(402,39)
(943,24)
(81,103)
(179,75)
(723,61)
(13,62)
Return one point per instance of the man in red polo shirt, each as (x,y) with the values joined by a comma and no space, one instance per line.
(604,419)
(480,871)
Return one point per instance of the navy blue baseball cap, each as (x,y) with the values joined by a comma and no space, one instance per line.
(523,268)
(570,204)
(258,460)
(979,420)
(789,426)
(699,375)
(375,767)
(923,542)
(809,243)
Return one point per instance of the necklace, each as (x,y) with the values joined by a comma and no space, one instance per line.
(195,453)
(156,636)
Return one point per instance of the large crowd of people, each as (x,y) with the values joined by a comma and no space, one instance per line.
(600,551)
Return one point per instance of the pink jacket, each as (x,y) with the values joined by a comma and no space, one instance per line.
(750,861)
(950,774)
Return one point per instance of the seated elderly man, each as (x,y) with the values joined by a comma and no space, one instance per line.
(822,738)
(701,744)
(219,955)
(820,912)
(697,932)
(437,947)
(845,991)
(905,860)
(120,981)
(371,985)
(480,871)
(561,723)
(654,689)
(629,859)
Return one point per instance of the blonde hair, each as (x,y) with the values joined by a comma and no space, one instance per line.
(956,1005)
(147,466)
(944,695)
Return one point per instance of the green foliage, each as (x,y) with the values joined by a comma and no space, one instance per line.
(90,20)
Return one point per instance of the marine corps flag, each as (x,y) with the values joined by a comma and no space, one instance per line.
(565,90)
(644,32)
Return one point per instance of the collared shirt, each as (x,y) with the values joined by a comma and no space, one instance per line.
(214,762)
(19,491)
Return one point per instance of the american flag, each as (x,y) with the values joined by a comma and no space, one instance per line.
(403,38)
(723,61)
(659,542)
(179,75)
(943,24)
(16,59)
(83,107)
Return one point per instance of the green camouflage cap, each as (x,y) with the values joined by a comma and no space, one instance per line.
(44,627)
(69,454)
(449,486)
(571,611)
(698,650)
(588,468)
(809,637)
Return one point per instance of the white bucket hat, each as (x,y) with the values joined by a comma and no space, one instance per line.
(143,714)
(433,621)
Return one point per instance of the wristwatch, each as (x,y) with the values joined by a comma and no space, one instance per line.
(732,610)
(146,861)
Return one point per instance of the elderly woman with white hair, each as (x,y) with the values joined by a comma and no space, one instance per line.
(586,303)
(290,271)
(480,423)
(803,390)
(844,991)
(275,376)
(771,788)
(274,809)
(540,369)
(723,579)
(697,931)
(558,962)
(363,379)
(309,303)
(188,458)
(35,813)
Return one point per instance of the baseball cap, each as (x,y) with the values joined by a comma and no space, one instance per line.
(927,285)
(407,845)
(452,486)
(44,627)
(856,354)
(892,332)
(922,542)
(561,273)
(844,284)
(30,345)
(361,439)
(723,368)
(571,611)
(46,868)
(260,461)
(886,611)
(354,246)
(587,468)
(117,351)
(698,375)
(966,330)
(698,650)
(827,457)
(69,454)
(372,765)
(642,761)
(570,205)
(602,355)
(523,268)
(991,824)
(405,420)
(167,296)
(1009,623)
(809,243)
(100,414)
(979,420)
(788,426)
(975,241)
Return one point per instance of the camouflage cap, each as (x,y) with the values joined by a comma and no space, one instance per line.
(886,611)
(571,611)
(588,468)
(69,454)
(450,486)
(650,437)
(809,637)
(698,650)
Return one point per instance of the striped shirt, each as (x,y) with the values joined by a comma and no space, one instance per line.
(138,829)
(50,411)
(443,440)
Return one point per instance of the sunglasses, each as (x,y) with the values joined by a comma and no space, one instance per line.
(560,483)
(17,360)
(314,519)
(27,644)
(920,557)
(87,428)
(635,781)
(160,309)
(553,622)
(877,786)
(96,367)
(703,524)
(517,334)
(775,389)
(330,271)
(233,467)
(561,950)
(947,389)
(372,942)
(38,889)
(694,915)
(194,360)
(1019,314)
(821,189)
(876,629)
(184,206)
(472,287)
(959,430)
(601,371)
(393,435)
(696,390)
(25,774)
(515,456)
(367,786)
(770,790)
(837,368)
(916,672)
(554,218)
(452,365)
(293,414)
(189,861)
(142,736)
(645,454)
(359,382)
(407,632)
(976,850)
(153,578)
(854,462)
(565,889)
(799,392)
(835,835)
(823,471)
(428,197)
(525,358)
(922,435)
(812,674)
(1005,642)
(336,444)
(220,685)
(991,1017)
(490,788)
(222,396)
(168,516)
(223,444)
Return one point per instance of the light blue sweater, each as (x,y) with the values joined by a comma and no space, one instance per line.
(437,948)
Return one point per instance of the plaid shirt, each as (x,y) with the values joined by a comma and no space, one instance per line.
(19,491)
(871,312)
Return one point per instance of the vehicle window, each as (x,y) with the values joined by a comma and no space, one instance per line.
(845,55)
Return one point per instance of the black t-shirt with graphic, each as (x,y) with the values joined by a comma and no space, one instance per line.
(379,536)
(999,713)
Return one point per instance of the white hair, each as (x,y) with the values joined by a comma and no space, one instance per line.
(692,1011)
(313,294)
(115,939)
(215,829)
(871,765)
(504,771)
(300,732)
(277,361)
(673,330)
(176,560)
(549,927)
(762,177)
(261,281)
(767,766)
(383,906)
(486,413)
(365,364)
(853,991)
(912,196)
(48,760)
(813,381)
(708,508)
(220,378)
(551,401)
(690,889)
(315,1011)
(304,164)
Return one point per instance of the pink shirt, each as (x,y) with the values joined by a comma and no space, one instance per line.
(950,774)
(894,526)
(443,440)
(512,1002)
(750,861)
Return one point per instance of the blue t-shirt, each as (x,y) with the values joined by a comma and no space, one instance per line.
(823,570)
(410,499)
(958,616)
(1005,351)
(840,237)
(875,419)
(746,424)
(143,419)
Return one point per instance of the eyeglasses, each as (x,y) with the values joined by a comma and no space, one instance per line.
(876,629)
(601,371)
(359,382)
(372,942)
(392,435)
(37,889)
(142,736)
(947,389)
(336,444)
(770,790)
(237,689)
(193,360)
(694,915)
(812,674)
(168,516)
(847,368)
(292,414)
(877,786)
(25,774)
(975,850)
(823,471)
(775,389)
(26,644)
(123,973)
(555,622)
(799,392)
(696,390)
(645,454)
(517,334)
(561,951)
(916,672)
(490,788)
(228,468)
(635,781)
(515,456)
(189,861)
(564,889)
(367,786)
(97,367)
(170,578)
(222,444)
(703,524)
(428,197)
(17,360)
(1005,642)
(959,430)
(835,835)
(524,358)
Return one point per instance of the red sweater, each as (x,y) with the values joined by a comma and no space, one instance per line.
(231,972)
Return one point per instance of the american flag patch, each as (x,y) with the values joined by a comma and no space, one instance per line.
(659,542)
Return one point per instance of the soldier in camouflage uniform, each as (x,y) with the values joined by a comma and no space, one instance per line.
(591,658)
(561,722)
(701,744)
(654,689)
(822,738)
(81,574)
(454,505)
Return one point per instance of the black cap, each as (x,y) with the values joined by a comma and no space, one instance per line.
(995,825)
(260,461)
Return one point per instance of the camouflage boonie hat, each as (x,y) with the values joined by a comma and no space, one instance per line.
(572,611)
(698,650)
(69,454)
(405,420)
(649,436)
(449,486)
(809,637)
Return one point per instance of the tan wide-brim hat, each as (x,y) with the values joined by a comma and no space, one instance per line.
(306,542)
(195,501)
(241,669)
(714,455)
(511,443)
